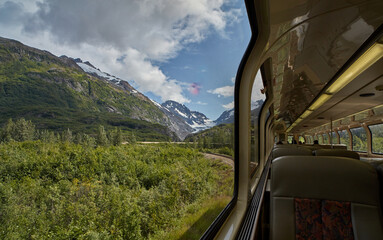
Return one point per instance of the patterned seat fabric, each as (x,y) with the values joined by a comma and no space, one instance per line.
(322,219)
(324,197)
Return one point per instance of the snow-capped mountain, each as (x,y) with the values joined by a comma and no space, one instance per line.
(196,120)
(89,68)
(178,118)
(228,115)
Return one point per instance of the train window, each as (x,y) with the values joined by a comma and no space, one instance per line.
(359,139)
(311,140)
(301,139)
(290,139)
(344,138)
(320,139)
(325,139)
(334,138)
(377,138)
(257,100)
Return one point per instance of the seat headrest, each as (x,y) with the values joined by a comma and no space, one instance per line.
(337,152)
(332,178)
(278,152)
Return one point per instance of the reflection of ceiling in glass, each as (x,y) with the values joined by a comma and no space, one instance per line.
(308,50)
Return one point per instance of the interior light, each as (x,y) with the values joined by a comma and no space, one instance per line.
(298,121)
(372,55)
(306,113)
(368,58)
(319,102)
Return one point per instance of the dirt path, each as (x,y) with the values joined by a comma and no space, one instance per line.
(227,160)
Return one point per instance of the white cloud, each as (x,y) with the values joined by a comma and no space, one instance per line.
(201,103)
(229,105)
(233,79)
(143,31)
(257,86)
(226,91)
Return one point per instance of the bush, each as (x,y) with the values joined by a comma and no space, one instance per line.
(62,190)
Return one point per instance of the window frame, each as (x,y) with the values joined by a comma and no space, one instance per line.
(372,140)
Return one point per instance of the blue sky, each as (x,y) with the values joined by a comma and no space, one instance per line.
(186,50)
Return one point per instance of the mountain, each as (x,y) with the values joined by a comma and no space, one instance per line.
(196,120)
(175,123)
(228,115)
(56,94)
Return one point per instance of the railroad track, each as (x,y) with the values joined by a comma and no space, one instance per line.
(224,158)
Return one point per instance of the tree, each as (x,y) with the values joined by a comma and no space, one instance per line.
(88,141)
(117,137)
(46,136)
(101,139)
(67,136)
(23,130)
(7,131)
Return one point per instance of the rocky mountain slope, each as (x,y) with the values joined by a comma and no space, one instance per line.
(61,92)
(196,120)
(228,115)
(56,93)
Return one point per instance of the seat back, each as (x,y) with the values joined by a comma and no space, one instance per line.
(337,152)
(278,152)
(324,198)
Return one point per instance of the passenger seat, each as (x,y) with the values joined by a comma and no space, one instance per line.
(278,152)
(337,152)
(324,198)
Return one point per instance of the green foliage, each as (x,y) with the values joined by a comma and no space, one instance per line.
(219,139)
(68,191)
(101,138)
(116,137)
(21,130)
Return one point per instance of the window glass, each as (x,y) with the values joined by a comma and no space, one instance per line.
(119,157)
(377,138)
(325,139)
(290,139)
(301,139)
(334,138)
(320,139)
(359,139)
(257,100)
(344,138)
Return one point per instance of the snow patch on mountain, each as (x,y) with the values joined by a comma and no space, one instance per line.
(196,120)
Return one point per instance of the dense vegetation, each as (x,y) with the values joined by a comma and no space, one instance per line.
(61,187)
(377,136)
(69,191)
(218,139)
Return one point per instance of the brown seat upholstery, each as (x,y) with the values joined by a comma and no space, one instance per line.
(324,198)
(337,152)
(340,146)
(278,152)
(311,147)
(378,165)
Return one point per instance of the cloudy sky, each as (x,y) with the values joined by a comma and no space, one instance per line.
(182,50)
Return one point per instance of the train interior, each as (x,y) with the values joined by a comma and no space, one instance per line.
(310,164)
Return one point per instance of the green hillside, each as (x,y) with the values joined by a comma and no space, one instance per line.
(218,139)
(56,94)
